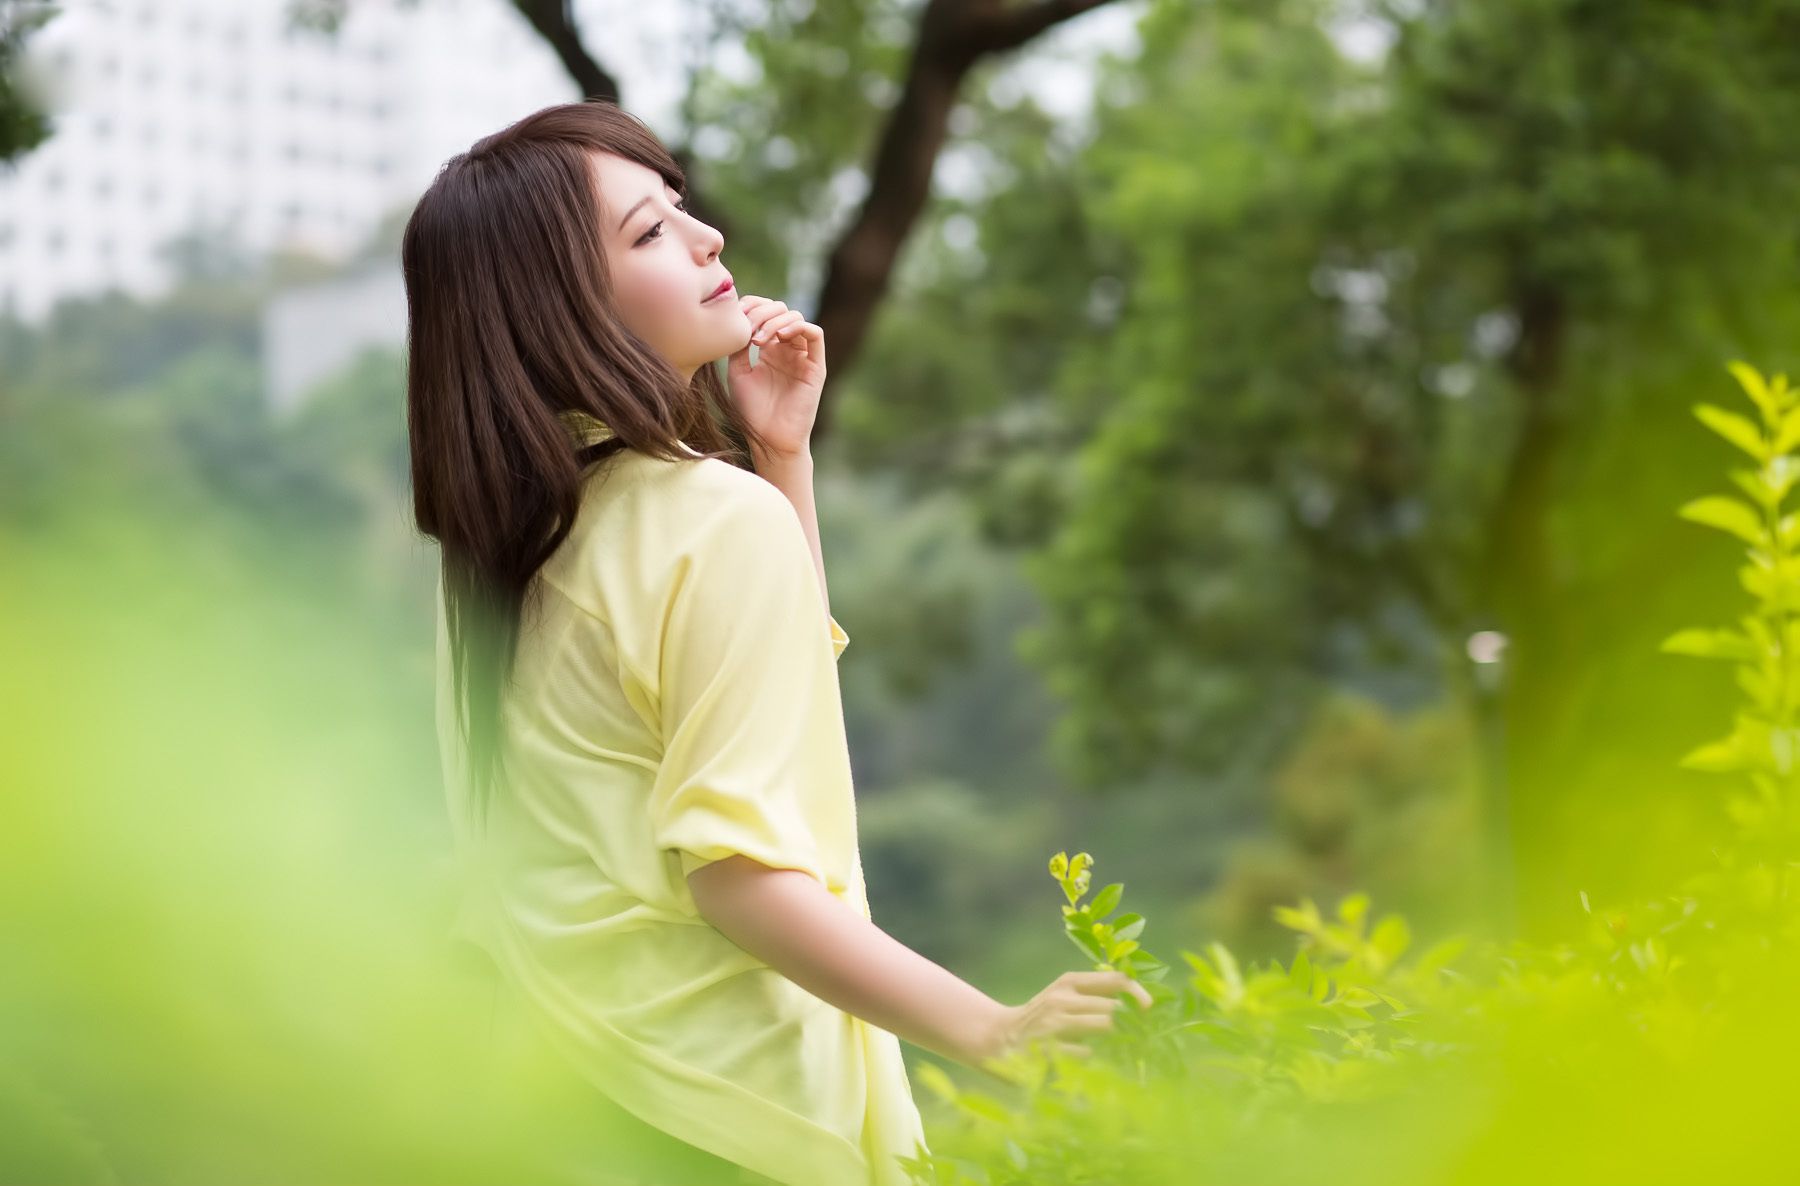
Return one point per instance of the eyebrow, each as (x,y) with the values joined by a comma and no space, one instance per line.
(633,210)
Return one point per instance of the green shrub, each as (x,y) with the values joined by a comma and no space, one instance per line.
(1654,1049)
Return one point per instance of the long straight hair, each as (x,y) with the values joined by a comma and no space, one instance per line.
(512,322)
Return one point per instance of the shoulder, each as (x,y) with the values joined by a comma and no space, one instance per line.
(646,517)
(704,499)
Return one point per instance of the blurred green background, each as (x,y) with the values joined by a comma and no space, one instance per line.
(1262,481)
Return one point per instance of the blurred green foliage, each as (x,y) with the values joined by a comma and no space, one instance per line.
(1464,1063)
(1185,457)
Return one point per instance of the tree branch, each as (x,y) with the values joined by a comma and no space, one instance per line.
(953,36)
(554,21)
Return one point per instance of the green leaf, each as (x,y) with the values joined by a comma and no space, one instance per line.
(1727,514)
(940,1083)
(1088,945)
(1391,937)
(1751,482)
(1734,428)
(1751,380)
(1709,644)
(1128,926)
(1106,900)
(1716,757)
(1301,973)
(1228,966)
(1789,436)
(1352,908)
(1758,580)
(1306,918)
(1757,687)
(986,1107)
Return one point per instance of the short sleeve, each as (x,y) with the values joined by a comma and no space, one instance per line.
(751,719)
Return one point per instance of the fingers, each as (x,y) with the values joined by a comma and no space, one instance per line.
(760,311)
(777,327)
(1105,987)
(773,322)
(1102,984)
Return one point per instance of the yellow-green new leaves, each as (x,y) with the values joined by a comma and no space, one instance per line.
(1073,874)
(1773,400)
(1770,445)
(1765,735)
(1728,514)
(1111,945)
(1709,644)
(1734,428)
(1345,939)
(1754,744)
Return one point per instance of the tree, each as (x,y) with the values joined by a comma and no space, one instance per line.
(950,39)
(1399,339)
(23,122)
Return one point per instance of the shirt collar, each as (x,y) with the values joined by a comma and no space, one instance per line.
(586,429)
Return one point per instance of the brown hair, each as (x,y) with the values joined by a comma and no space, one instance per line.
(512,323)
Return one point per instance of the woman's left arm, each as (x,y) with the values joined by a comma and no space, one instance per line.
(779,396)
(792,474)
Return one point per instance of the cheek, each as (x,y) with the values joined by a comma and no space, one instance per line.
(654,295)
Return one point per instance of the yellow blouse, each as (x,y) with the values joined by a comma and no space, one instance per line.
(675,700)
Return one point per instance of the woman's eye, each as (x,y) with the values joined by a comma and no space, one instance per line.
(652,233)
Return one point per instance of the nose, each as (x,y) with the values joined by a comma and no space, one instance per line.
(709,242)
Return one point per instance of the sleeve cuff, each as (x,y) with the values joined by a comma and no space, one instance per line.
(839,640)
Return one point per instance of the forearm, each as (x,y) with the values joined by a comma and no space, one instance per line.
(792,474)
(790,921)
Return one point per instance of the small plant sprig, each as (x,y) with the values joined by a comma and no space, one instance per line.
(1764,742)
(1113,946)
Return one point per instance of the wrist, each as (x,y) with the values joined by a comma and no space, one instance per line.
(768,461)
(992,1033)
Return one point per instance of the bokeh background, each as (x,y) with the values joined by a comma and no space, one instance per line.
(1249,456)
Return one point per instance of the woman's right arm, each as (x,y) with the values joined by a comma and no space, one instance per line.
(790,921)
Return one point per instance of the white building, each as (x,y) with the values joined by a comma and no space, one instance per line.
(172,116)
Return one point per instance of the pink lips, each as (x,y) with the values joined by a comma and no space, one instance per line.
(717,292)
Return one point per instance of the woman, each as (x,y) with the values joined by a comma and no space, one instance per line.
(638,700)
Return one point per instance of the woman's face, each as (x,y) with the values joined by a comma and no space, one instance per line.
(664,266)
